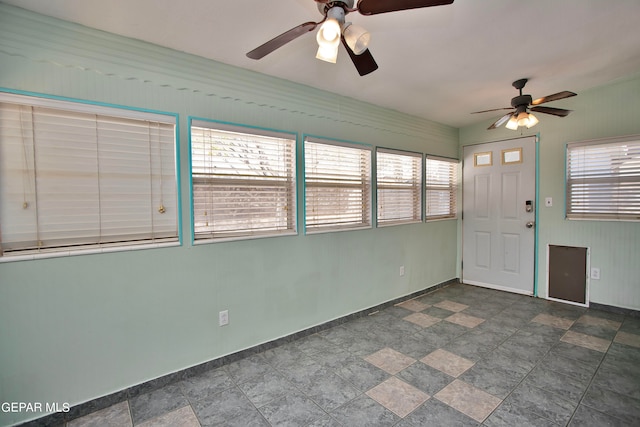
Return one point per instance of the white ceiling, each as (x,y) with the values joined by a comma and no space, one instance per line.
(439,63)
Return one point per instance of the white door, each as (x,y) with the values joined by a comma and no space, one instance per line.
(498,229)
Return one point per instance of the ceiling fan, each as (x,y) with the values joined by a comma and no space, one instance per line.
(520,116)
(334,29)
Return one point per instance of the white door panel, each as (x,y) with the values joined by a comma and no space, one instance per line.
(498,247)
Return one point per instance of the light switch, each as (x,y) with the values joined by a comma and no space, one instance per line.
(548,201)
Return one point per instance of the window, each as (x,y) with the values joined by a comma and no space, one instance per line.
(399,184)
(603,179)
(243,181)
(441,179)
(337,186)
(76,176)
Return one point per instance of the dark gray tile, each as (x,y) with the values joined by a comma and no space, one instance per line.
(508,320)
(507,415)
(566,311)
(578,353)
(494,381)
(435,413)
(502,360)
(594,330)
(304,372)
(397,311)
(284,355)
(156,403)
(631,325)
(542,403)
(472,347)
(223,407)
(550,334)
(364,412)
(266,388)
(609,315)
(330,391)
(338,335)
(207,384)
(292,410)
(248,368)
(414,346)
(361,374)
(484,311)
(569,388)
(613,404)
(251,418)
(327,421)
(615,378)
(570,367)
(425,378)
(441,333)
(623,355)
(526,346)
(588,417)
(314,344)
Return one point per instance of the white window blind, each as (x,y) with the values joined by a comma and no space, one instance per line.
(337,186)
(399,187)
(243,183)
(441,186)
(77,176)
(603,179)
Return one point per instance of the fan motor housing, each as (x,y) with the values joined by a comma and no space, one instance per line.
(521,100)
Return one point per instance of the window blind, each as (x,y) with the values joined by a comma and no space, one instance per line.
(73,179)
(243,183)
(603,179)
(399,187)
(337,186)
(441,186)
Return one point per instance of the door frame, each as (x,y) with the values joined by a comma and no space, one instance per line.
(536,208)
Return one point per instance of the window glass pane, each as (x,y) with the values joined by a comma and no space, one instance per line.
(337,186)
(399,187)
(603,179)
(441,186)
(243,183)
(71,179)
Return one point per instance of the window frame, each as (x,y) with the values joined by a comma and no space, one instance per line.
(414,186)
(451,188)
(602,210)
(247,233)
(365,184)
(104,114)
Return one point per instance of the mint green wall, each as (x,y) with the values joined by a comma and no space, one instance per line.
(608,111)
(76,328)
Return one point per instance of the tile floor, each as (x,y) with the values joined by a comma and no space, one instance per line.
(459,356)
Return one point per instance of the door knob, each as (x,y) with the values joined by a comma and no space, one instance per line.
(530,224)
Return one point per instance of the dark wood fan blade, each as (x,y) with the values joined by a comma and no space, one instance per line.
(556,96)
(494,109)
(279,41)
(502,120)
(364,62)
(560,112)
(373,7)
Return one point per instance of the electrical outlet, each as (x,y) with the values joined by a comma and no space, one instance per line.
(223,318)
(595,273)
(401,270)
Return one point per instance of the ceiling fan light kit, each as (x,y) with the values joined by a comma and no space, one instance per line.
(521,103)
(333,29)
